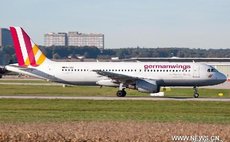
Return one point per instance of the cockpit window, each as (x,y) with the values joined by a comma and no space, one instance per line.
(211,70)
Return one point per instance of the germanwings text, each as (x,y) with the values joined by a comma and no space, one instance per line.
(176,66)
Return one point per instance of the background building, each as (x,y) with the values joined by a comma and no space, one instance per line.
(5,38)
(81,39)
(74,39)
(55,39)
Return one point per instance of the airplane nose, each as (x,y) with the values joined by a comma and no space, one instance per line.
(221,77)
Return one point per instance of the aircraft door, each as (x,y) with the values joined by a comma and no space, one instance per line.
(196,71)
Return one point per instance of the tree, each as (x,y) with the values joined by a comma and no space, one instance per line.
(56,56)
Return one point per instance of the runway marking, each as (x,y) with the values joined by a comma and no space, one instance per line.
(118,98)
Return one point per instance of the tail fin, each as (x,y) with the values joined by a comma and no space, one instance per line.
(27,51)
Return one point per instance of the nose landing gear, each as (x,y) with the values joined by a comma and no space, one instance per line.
(196,94)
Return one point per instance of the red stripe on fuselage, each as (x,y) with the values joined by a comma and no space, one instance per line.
(17,47)
(29,48)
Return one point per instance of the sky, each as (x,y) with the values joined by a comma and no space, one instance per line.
(126,23)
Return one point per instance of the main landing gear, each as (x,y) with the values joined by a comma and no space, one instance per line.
(121,92)
(196,94)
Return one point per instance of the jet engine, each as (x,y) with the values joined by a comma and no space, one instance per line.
(147,86)
(2,71)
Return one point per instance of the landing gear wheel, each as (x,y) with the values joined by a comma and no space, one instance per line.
(196,95)
(121,93)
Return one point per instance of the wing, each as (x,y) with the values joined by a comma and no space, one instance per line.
(126,79)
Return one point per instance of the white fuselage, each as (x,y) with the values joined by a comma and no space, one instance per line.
(143,76)
(165,73)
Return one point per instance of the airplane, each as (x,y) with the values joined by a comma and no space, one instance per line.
(146,77)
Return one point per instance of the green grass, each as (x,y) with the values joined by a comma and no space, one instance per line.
(31,110)
(23,81)
(204,92)
(54,90)
(38,90)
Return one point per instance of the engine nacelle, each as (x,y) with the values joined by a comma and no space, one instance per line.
(2,70)
(107,82)
(147,86)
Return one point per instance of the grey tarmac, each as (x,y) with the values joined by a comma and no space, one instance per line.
(119,98)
